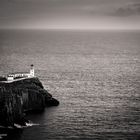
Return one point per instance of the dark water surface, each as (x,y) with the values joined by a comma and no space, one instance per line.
(94,75)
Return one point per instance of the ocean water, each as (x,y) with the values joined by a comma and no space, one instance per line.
(94,74)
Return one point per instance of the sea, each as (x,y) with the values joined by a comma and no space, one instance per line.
(94,74)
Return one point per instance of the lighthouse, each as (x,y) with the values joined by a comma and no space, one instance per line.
(32,71)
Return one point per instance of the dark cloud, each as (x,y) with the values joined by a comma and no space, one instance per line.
(129,10)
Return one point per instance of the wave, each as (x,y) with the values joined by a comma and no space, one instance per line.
(27,124)
(2,135)
(16,126)
(31,124)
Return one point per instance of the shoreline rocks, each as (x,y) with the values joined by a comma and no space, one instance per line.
(20,97)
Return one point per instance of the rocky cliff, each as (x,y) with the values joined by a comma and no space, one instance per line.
(22,96)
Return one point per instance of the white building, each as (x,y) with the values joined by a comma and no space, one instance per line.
(18,75)
(32,71)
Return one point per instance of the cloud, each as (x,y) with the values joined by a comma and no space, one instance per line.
(128,10)
(59,13)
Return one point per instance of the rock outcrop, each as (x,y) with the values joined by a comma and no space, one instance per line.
(22,96)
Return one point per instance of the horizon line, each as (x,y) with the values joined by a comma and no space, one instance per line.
(75,29)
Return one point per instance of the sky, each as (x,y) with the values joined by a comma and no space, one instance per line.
(70,14)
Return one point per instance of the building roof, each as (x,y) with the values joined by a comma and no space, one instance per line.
(19,73)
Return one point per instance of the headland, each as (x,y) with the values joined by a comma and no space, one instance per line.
(20,96)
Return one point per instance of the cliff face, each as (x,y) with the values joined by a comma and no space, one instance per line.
(22,96)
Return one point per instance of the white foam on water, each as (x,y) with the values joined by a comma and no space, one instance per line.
(30,124)
(17,125)
(2,135)
(26,125)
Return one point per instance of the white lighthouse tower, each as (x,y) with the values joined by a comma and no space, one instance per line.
(32,71)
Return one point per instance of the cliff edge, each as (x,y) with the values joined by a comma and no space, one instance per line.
(22,96)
